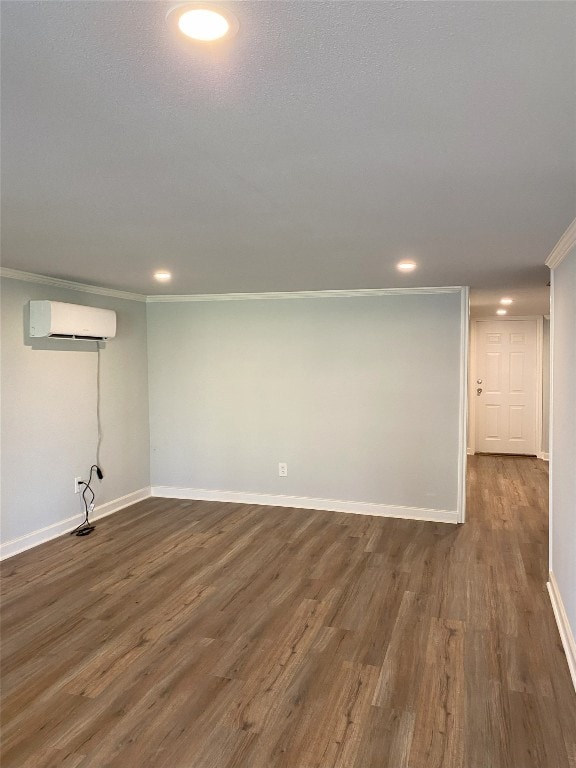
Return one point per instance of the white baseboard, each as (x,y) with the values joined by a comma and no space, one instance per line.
(123,501)
(544,456)
(568,641)
(303,502)
(13,547)
(470,451)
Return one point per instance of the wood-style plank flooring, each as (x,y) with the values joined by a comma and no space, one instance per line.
(206,635)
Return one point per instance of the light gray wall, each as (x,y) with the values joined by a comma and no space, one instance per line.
(546,385)
(563,442)
(49,428)
(360,396)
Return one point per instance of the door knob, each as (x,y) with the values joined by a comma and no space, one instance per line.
(479,391)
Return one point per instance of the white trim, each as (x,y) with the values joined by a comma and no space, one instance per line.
(120,503)
(16,274)
(568,641)
(463,410)
(563,247)
(470,452)
(551,431)
(355,293)
(55,282)
(304,502)
(13,547)
(539,373)
(471,379)
(543,455)
(539,381)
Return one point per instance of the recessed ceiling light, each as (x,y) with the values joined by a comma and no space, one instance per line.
(501,311)
(162,275)
(406,266)
(506,301)
(202,22)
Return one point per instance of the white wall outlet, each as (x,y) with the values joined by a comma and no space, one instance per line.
(282,469)
(77,484)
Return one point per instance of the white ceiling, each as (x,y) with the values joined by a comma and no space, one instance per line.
(323,143)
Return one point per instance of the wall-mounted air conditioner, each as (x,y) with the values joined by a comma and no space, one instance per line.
(71,321)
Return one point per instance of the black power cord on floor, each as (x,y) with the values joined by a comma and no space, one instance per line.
(85,526)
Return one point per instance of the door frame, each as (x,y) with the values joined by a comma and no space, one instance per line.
(471,449)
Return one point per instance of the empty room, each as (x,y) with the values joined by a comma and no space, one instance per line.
(288,345)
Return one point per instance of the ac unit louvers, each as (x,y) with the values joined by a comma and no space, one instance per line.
(71,321)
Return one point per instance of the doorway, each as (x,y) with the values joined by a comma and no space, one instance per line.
(505,414)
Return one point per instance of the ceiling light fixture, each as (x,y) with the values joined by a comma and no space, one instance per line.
(501,311)
(506,301)
(204,23)
(406,266)
(162,275)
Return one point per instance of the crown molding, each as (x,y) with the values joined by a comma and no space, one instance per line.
(563,247)
(16,274)
(55,282)
(360,292)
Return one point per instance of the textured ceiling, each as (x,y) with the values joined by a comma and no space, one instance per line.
(323,143)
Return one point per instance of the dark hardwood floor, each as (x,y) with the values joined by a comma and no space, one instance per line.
(205,635)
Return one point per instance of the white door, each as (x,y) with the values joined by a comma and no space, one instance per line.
(505,387)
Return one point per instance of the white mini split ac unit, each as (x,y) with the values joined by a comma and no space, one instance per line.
(71,321)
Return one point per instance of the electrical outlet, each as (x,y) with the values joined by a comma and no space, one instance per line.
(282,469)
(77,484)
